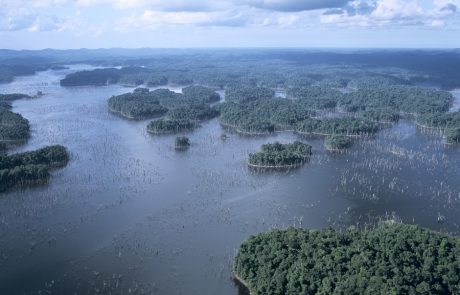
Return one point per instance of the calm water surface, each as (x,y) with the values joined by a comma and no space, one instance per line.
(130,214)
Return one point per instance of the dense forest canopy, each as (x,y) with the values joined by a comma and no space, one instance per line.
(315,97)
(30,168)
(278,155)
(13,127)
(399,98)
(349,126)
(166,126)
(391,259)
(142,103)
(337,142)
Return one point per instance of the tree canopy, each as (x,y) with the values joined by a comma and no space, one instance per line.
(391,259)
(278,155)
(29,168)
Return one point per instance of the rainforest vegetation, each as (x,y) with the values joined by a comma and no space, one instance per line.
(398,98)
(13,127)
(348,126)
(142,103)
(278,155)
(166,126)
(452,135)
(29,168)
(391,259)
(337,142)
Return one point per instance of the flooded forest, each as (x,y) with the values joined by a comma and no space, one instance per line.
(229,171)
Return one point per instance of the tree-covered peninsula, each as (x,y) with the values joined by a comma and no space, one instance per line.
(278,155)
(13,127)
(30,168)
(391,259)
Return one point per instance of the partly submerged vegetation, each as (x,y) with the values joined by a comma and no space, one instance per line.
(452,135)
(337,142)
(347,126)
(30,168)
(278,155)
(391,259)
(167,126)
(181,142)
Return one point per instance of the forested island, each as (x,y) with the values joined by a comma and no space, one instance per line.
(390,259)
(192,104)
(277,155)
(347,126)
(168,126)
(30,168)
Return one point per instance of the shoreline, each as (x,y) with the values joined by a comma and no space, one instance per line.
(278,166)
(242,282)
(332,134)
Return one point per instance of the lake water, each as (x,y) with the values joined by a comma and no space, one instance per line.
(130,214)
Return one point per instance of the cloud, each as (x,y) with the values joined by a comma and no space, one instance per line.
(125,15)
(390,13)
(449,8)
(295,5)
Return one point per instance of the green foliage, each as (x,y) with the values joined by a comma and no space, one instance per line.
(24,169)
(140,104)
(392,259)
(278,155)
(383,115)
(12,96)
(338,126)
(452,135)
(13,126)
(398,98)
(440,120)
(338,142)
(100,77)
(201,94)
(263,115)
(194,112)
(165,126)
(373,81)
(315,97)
(246,94)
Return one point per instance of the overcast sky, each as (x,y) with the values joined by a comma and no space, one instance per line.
(35,24)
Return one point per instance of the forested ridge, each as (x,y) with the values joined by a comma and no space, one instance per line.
(391,259)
